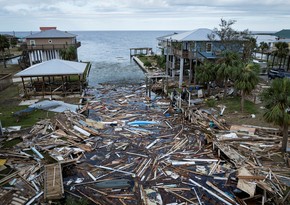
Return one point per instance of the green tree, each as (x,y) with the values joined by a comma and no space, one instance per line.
(246,80)
(14,42)
(4,44)
(161,61)
(263,47)
(206,74)
(226,32)
(277,101)
(250,44)
(281,51)
(69,53)
(227,68)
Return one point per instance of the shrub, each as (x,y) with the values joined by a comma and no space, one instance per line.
(147,64)
(210,102)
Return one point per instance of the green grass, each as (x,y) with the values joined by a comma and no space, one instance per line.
(234,104)
(9,104)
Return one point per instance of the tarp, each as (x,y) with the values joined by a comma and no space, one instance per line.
(55,106)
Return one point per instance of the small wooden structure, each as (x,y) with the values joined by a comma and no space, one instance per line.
(53,183)
(54,77)
(140,51)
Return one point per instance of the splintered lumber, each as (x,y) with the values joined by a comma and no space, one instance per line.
(9,177)
(116,170)
(232,154)
(178,195)
(210,192)
(53,184)
(220,191)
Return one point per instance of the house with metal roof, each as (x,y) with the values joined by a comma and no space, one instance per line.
(48,44)
(190,48)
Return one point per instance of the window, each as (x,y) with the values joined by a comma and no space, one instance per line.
(49,41)
(32,43)
(208,47)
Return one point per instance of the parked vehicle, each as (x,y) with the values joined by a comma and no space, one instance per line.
(278,73)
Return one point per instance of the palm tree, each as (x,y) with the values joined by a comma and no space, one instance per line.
(277,102)
(68,53)
(249,46)
(247,79)
(206,74)
(227,67)
(281,52)
(4,43)
(263,47)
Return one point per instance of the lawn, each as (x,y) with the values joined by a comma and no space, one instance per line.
(9,104)
(252,115)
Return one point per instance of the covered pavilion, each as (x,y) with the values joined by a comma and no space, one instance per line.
(54,77)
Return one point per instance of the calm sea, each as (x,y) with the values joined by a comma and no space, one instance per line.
(109,53)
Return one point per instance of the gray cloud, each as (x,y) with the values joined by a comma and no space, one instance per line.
(143,14)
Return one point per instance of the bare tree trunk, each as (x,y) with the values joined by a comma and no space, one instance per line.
(273,61)
(284,61)
(226,88)
(285,137)
(281,59)
(242,100)
(208,89)
(3,57)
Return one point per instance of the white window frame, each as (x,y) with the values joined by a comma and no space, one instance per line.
(50,41)
(32,43)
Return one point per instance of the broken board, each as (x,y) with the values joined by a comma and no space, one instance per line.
(53,183)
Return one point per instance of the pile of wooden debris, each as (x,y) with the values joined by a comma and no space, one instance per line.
(123,148)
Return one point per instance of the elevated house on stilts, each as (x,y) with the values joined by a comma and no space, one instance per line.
(185,51)
(49,43)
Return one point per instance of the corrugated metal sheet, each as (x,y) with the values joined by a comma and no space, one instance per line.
(52,68)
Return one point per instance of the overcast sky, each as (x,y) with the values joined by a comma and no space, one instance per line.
(74,15)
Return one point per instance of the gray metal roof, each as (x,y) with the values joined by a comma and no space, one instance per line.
(52,68)
(194,35)
(52,33)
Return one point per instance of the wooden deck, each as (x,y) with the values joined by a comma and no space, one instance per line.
(53,184)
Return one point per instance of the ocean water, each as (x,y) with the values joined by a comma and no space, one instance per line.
(109,53)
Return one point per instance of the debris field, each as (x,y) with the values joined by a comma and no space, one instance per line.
(123,147)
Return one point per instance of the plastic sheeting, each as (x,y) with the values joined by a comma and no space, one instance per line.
(55,106)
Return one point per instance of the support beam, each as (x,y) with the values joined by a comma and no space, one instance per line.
(181,72)
(24,88)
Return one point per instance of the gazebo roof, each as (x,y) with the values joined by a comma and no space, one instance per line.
(55,67)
